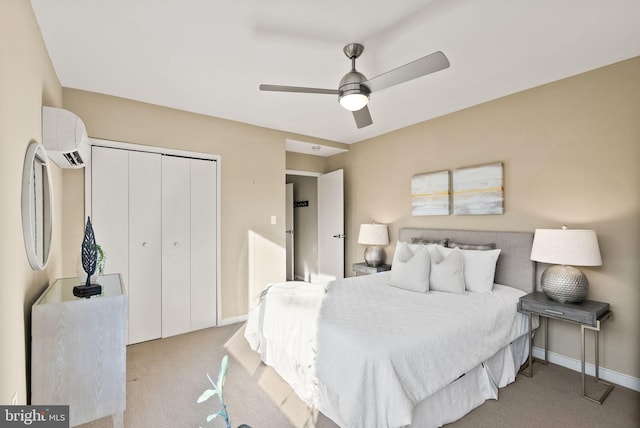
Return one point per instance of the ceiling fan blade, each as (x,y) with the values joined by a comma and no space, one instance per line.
(421,67)
(362,117)
(279,88)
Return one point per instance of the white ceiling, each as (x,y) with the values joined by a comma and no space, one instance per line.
(209,56)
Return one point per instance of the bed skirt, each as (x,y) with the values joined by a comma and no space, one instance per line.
(461,396)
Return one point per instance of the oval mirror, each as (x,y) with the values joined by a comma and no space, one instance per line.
(36,205)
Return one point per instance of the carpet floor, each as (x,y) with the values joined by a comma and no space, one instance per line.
(166,376)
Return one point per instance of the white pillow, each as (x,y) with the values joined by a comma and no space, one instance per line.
(448,274)
(435,254)
(410,271)
(413,247)
(479,268)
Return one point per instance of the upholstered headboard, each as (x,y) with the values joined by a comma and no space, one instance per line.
(514,268)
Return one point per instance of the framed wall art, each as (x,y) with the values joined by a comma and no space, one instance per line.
(478,190)
(430,194)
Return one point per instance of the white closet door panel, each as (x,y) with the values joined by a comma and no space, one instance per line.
(203,243)
(145,257)
(176,246)
(110,207)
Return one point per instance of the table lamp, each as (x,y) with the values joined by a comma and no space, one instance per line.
(565,248)
(373,235)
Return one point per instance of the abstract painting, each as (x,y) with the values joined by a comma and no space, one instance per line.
(430,194)
(478,190)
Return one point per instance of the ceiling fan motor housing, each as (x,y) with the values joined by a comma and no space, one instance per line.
(353,83)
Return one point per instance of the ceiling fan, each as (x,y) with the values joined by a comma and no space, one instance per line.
(354,88)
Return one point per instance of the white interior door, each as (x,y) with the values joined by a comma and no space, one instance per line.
(204,240)
(176,246)
(145,246)
(289,230)
(331,225)
(110,208)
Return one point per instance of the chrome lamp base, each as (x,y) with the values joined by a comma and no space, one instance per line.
(564,284)
(374,255)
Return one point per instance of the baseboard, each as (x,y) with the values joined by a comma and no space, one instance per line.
(233,320)
(590,369)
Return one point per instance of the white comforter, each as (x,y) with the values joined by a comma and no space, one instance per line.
(375,351)
(282,328)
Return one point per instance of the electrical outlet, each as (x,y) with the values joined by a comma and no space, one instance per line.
(273,219)
(14,399)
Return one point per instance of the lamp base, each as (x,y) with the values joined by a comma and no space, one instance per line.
(374,255)
(564,284)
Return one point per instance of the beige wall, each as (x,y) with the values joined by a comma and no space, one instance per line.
(27,80)
(309,163)
(571,153)
(252,181)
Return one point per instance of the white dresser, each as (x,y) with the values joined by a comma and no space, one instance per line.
(78,355)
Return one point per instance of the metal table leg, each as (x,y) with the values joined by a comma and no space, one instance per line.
(609,386)
(528,370)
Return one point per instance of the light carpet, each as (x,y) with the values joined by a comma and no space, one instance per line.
(166,376)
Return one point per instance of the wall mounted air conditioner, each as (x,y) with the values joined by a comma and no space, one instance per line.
(64,136)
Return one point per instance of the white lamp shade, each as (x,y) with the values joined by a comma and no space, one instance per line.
(566,247)
(373,234)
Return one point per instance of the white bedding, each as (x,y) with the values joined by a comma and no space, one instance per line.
(286,341)
(379,350)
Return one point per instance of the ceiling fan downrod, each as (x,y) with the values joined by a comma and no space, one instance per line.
(353,93)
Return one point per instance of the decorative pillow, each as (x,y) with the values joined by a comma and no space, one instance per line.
(435,254)
(448,274)
(400,253)
(410,271)
(453,244)
(413,247)
(479,268)
(426,241)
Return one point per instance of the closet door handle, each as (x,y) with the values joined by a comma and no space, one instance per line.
(145,244)
(176,244)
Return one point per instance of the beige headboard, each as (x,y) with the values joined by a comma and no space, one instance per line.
(514,268)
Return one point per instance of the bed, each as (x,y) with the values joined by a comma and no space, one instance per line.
(383,351)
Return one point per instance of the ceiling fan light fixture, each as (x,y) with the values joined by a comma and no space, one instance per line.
(354,101)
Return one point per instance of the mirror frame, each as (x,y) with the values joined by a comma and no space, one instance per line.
(32,195)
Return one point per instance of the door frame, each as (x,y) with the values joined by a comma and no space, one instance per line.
(173,152)
(317,175)
(304,174)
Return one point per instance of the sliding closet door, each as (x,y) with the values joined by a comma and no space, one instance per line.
(176,246)
(145,247)
(203,243)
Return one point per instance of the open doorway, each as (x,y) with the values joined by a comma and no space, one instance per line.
(316,250)
(304,258)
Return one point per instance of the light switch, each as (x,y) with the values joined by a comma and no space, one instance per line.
(273,219)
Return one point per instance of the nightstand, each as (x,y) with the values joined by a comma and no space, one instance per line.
(364,269)
(588,314)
